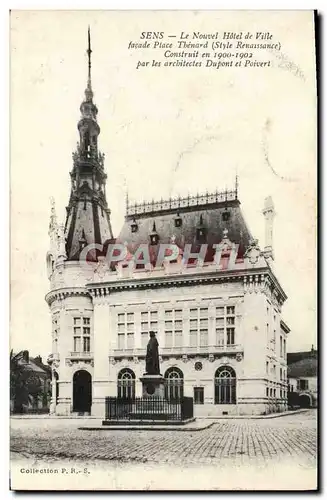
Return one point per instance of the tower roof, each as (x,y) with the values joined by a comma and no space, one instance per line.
(88,215)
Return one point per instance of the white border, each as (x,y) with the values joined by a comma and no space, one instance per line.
(4,182)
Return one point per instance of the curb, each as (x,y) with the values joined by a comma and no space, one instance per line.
(255,417)
(177,428)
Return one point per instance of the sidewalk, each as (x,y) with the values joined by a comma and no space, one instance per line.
(213,417)
(251,417)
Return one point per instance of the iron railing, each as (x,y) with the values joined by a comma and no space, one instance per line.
(177,203)
(149,409)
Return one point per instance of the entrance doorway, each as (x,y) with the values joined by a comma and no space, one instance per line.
(56,377)
(82,392)
(305,401)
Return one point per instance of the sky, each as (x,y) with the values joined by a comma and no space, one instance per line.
(165,132)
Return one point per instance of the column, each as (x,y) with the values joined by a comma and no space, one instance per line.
(101,349)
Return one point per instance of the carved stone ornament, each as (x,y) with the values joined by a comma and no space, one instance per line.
(112,361)
(135,359)
(239,356)
(184,358)
(69,362)
(253,252)
(224,360)
(211,358)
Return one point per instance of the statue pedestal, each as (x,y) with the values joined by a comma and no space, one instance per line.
(153,386)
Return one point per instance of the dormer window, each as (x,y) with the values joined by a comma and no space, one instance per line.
(134,226)
(201,231)
(201,235)
(154,237)
(82,241)
(178,220)
(226,215)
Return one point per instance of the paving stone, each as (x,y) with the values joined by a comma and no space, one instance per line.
(240,441)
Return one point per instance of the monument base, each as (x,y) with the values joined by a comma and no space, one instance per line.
(153,386)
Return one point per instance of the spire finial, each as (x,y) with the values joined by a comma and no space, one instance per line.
(88,91)
(89,52)
(53,215)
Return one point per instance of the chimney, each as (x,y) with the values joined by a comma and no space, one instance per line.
(269,214)
(26,357)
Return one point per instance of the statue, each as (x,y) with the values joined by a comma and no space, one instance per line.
(152,356)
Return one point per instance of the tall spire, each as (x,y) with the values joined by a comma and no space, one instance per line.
(88,91)
(88,215)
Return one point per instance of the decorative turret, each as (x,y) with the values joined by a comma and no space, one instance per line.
(269,214)
(88,215)
(154,237)
(53,232)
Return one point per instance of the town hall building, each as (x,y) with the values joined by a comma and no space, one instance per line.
(215,304)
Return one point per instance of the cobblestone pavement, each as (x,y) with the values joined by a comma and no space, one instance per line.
(290,438)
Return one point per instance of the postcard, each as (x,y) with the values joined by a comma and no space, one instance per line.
(163,250)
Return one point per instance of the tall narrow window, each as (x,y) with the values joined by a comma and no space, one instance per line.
(125,330)
(220,336)
(281,346)
(198,395)
(199,324)
(230,336)
(193,338)
(86,335)
(77,344)
(203,337)
(82,334)
(77,334)
(174,328)
(225,325)
(55,332)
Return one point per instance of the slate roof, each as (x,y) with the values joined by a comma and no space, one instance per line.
(306,367)
(211,215)
(293,357)
(35,366)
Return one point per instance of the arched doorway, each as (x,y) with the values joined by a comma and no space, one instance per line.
(305,401)
(82,392)
(56,380)
(225,386)
(174,384)
(126,384)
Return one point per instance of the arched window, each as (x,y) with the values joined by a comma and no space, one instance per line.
(174,384)
(225,386)
(126,384)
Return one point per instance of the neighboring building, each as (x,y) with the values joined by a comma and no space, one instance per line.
(36,379)
(302,378)
(218,318)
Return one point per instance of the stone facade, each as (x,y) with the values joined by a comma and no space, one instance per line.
(256,353)
(217,317)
